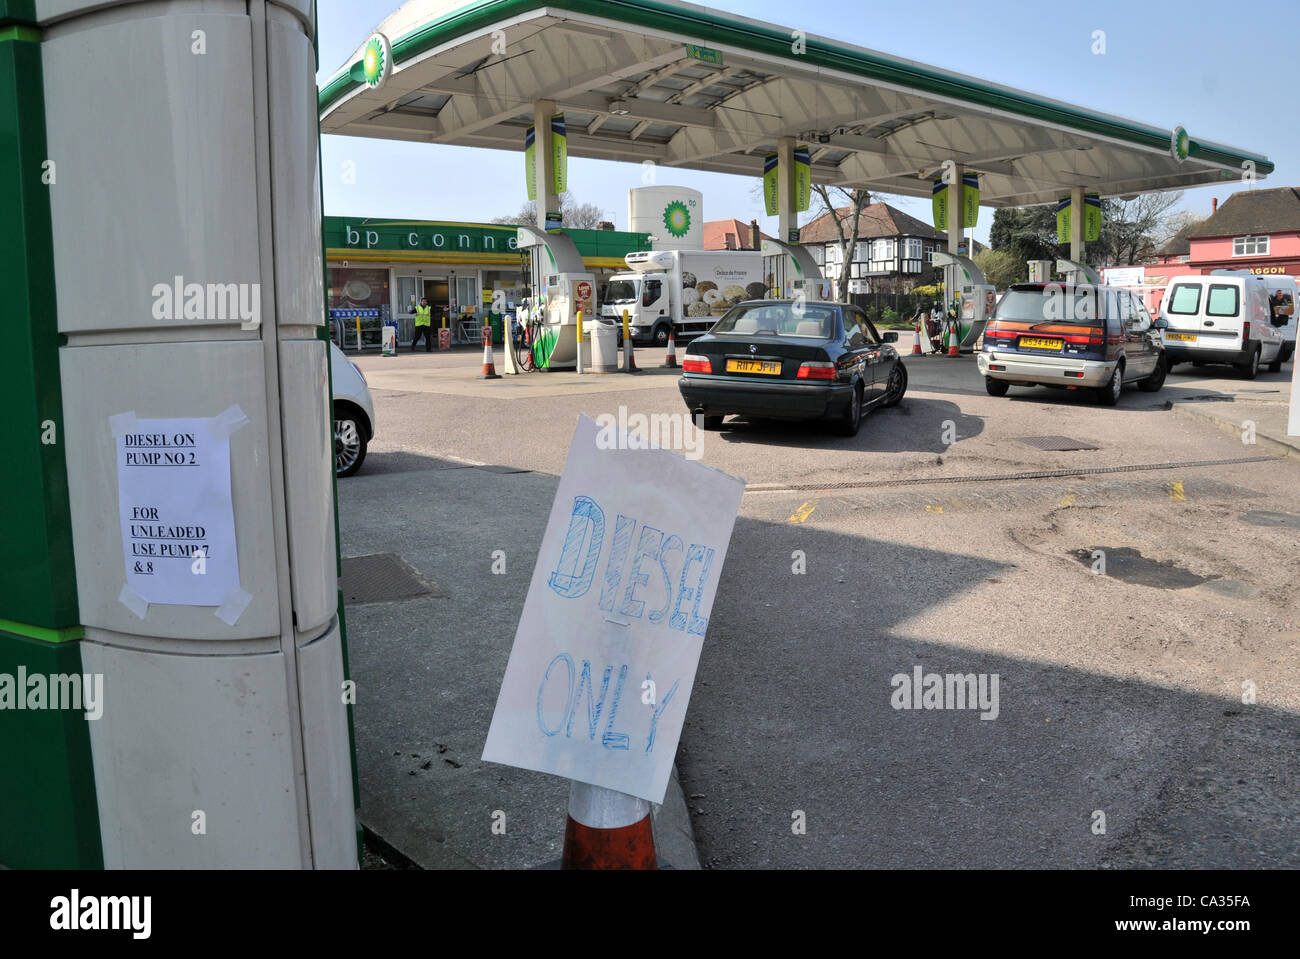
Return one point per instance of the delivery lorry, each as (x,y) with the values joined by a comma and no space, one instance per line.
(689,289)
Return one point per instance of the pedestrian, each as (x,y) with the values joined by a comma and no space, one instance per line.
(423,326)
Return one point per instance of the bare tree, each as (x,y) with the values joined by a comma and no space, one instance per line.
(844,207)
(574,215)
(1133,229)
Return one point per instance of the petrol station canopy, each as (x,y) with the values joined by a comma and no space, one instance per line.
(686,86)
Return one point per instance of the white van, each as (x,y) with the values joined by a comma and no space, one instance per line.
(1221,319)
(1284,293)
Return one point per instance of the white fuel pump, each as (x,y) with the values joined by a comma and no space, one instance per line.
(561,287)
(968,291)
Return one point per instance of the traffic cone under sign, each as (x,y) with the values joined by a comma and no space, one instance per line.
(671,359)
(952,343)
(607,830)
(489,367)
(916,340)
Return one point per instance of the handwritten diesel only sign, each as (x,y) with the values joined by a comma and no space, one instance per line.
(605,654)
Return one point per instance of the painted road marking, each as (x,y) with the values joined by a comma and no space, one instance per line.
(803,512)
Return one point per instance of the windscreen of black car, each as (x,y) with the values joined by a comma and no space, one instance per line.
(1050,304)
(778,319)
(620,291)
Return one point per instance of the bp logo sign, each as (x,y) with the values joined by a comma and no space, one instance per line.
(377,61)
(1179,144)
(677,219)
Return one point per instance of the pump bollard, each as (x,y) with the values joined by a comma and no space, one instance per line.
(579,341)
(607,830)
(629,359)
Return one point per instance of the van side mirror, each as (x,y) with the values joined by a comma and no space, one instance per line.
(1160,323)
(889,336)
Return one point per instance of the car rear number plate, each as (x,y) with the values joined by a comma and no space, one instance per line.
(1184,337)
(766,367)
(1041,343)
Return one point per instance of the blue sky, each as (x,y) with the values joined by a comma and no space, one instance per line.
(1230,74)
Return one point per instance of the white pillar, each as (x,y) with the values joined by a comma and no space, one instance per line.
(787,218)
(544,161)
(956,232)
(1077,220)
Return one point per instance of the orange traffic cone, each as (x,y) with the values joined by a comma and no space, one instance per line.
(489,367)
(607,830)
(670,360)
(952,343)
(916,340)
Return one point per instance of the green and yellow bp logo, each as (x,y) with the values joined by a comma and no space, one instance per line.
(677,219)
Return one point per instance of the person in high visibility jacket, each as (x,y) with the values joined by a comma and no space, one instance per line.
(423,327)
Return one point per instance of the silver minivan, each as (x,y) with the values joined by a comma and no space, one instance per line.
(1221,319)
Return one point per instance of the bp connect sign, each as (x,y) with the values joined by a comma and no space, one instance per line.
(605,654)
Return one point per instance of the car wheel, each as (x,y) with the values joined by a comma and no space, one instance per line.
(713,423)
(1108,395)
(896,386)
(996,387)
(852,419)
(349,443)
(1250,369)
(1157,377)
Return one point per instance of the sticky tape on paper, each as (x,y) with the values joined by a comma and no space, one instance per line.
(227,422)
(233,606)
(122,423)
(133,601)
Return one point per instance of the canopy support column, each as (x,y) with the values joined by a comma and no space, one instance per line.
(544,162)
(788,219)
(1077,221)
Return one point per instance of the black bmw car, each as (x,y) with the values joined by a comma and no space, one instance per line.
(789,359)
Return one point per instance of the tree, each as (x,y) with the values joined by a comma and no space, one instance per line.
(574,215)
(1131,231)
(999,267)
(847,217)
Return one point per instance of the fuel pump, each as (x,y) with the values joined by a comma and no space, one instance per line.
(792,271)
(561,286)
(968,294)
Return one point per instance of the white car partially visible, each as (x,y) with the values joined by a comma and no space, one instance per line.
(354,413)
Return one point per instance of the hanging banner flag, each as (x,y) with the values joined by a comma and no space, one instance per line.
(559,153)
(530,165)
(1063,220)
(970,199)
(939,198)
(770,185)
(802,179)
(1092,217)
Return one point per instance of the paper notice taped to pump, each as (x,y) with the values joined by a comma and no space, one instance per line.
(176,512)
(605,654)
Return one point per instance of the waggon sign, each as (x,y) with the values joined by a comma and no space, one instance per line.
(605,654)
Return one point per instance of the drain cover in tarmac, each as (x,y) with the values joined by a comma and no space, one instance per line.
(1263,517)
(1130,566)
(1056,443)
(381,577)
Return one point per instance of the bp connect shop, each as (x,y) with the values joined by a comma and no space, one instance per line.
(381,269)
